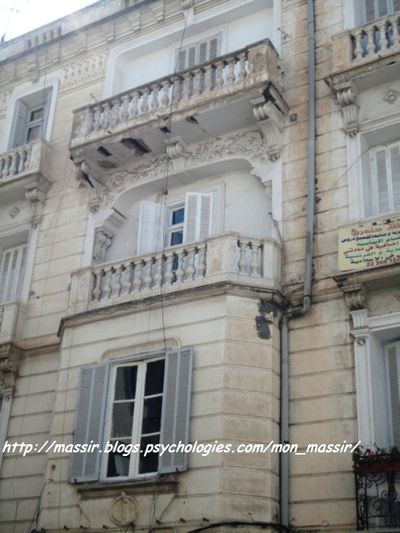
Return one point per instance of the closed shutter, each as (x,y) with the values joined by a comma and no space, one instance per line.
(379,170)
(176,408)
(151,228)
(12,270)
(19,126)
(396,5)
(89,422)
(394,155)
(198,216)
(197,53)
(393,356)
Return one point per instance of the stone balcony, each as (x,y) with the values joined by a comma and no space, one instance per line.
(226,257)
(203,102)
(24,169)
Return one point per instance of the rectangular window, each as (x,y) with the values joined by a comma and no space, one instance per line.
(30,118)
(176,217)
(198,53)
(382,191)
(12,267)
(373,9)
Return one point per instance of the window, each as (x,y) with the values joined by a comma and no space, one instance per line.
(372,9)
(382,190)
(12,268)
(197,53)
(161,226)
(392,360)
(30,118)
(139,402)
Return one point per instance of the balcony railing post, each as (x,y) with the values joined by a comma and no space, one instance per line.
(81,292)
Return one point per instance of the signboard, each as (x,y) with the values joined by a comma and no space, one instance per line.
(369,245)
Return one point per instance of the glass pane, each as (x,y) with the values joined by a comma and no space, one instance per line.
(125,383)
(154,377)
(152,415)
(176,237)
(37,114)
(118,464)
(34,133)
(178,216)
(12,274)
(122,419)
(150,462)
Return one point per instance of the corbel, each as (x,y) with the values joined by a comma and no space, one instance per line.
(104,234)
(9,364)
(177,152)
(267,311)
(36,193)
(346,96)
(85,177)
(355,296)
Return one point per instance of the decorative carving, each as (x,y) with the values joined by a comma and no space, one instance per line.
(85,177)
(83,70)
(391,96)
(177,151)
(9,363)
(36,194)
(123,510)
(4,95)
(270,117)
(13,212)
(360,329)
(104,235)
(355,296)
(346,96)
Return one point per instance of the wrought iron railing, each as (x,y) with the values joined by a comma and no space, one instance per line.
(377,483)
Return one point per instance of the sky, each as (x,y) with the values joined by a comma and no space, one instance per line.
(20,16)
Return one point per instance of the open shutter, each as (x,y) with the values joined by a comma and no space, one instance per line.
(151,228)
(379,172)
(89,422)
(176,408)
(394,152)
(19,126)
(394,393)
(198,216)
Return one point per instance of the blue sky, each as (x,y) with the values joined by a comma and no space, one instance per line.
(20,16)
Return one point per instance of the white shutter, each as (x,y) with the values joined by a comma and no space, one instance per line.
(213,49)
(176,408)
(379,172)
(198,216)
(181,60)
(89,422)
(19,125)
(394,152)
(12,273)
(191,55)
(369,10)
(393,357)
(151,228)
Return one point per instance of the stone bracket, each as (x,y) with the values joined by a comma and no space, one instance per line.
(346,96)
(104,234)
(355,296)
(36,193)
(86,178)
(177,152)
(9,364)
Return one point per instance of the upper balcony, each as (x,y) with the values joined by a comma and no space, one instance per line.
(367,48)
(22,168)
(206,101)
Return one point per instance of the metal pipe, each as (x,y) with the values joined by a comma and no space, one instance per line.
(308,271)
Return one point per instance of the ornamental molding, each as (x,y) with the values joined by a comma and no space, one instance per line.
(346,96)
(391,96)
(123,510)
(248,145)
(36,193)
(9,364)
(83,71)
(4,96)
(355,296)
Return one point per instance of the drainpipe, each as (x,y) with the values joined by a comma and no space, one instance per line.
(302,309)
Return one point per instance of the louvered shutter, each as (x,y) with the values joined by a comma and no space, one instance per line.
(396,5)
(213,48)
(89,422)
(380,171)
(181,60)
(151,228)
(394,154)
(12,271)
(19,126)
(191,55)
(394,395)
(176,408)
(198,216)
(369,6)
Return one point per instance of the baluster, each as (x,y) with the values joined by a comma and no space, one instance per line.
(396,31)
(208,70)
(13,167)
(96,118)
(190,271)
(22,160)
(137,282)
(115,112)
(179,273)
(117,286)
(98,276)
(133,112)
(148,273)
(107,287)
(219,83)
(358,47)
(382,38)
(87,121)
(158,275)
(254,264)
(106,115)
(201,269)
(242,260)
(154,102)
(169,275)
(231,71)
(145,101)
(2,166)
(165,94)
(127,284)
(242,67)
(186,85)
(124,108)
(7,165)
(176,89)
(197,82)
(371,44)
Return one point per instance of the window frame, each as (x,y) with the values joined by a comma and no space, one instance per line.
(374,179)
(18,280)
(197,44)
(171,228)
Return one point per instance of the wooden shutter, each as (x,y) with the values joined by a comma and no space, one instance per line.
(393,367)
(394,155)
(19,125)
(379,175)
(198,216)
(396,5)
(89,422)
(12,270)
(151,228)
(176,408)
(369,6)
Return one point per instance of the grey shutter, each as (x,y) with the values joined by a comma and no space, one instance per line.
(191,57)
(198,216)
(383,8)
(396,5)
(394,397)
(19,126)
(176,408)
(181,60)
(213,48)
(203,53)
(89,422)
(151,227)
(381,180)
(395,173)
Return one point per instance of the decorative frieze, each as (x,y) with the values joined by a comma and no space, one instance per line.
(84,70)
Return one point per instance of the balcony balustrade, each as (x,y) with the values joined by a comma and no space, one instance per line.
(222,258)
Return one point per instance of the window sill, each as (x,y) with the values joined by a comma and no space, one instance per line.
(104,489)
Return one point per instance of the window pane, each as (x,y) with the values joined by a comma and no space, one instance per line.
(154,378)
(382,8)
(34,133)
(150,462)
(152,415)
(125,383)
(178,216)
(37,114)
(118,465)
(176,237)
(122,419)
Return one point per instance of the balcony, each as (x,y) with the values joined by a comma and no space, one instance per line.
(370,47)
(223,258)
(377,484)
(22,167)
(204,102)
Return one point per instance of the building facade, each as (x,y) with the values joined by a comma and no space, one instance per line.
(198,245)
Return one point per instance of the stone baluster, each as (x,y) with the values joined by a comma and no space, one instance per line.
(106,115)
(242,74)
(87,123)
(383,44)
(2,166)
(165,94)
(117,286)
(158,274)
(208,78)
(197,82)
(371,41)
(169,275)
(134,109)
(230,78)
(190,271)
(127,284)
(148,278)
(255,263)
(358,47)
(124,108)
(396,31)
(13,166)
(137,282)
(23,155)
(154,101)
(7,163)
(96,117)
(242,260)
(107,286)
(201,269)
(98,277)
(219,83)
(145,101)
(179,273)
(186,85)
(116,103)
